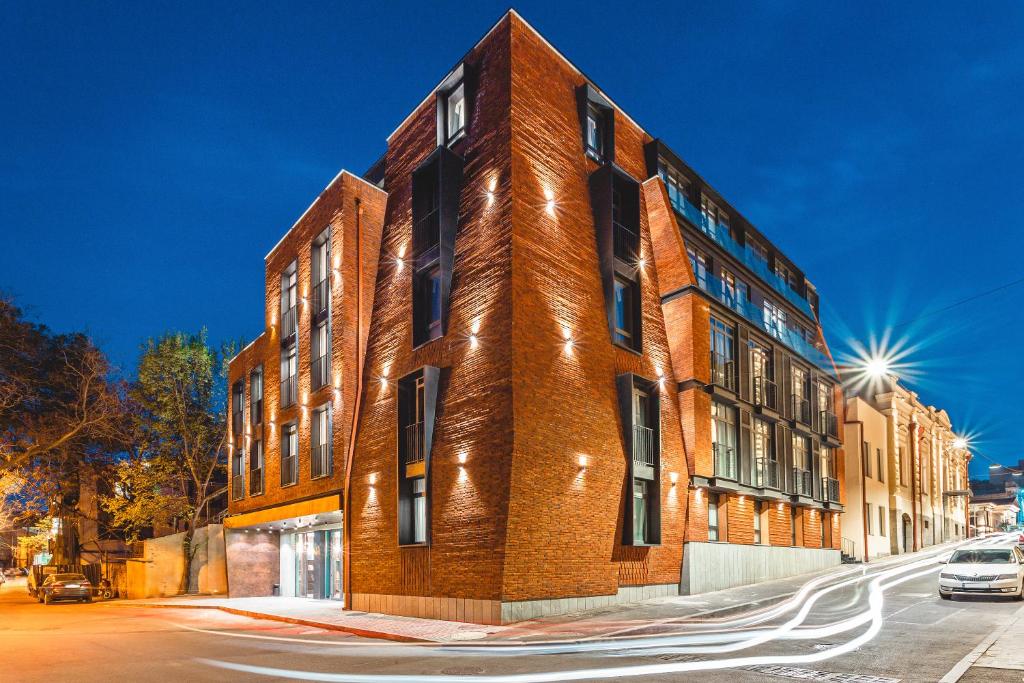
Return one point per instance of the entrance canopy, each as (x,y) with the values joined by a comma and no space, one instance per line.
(290,516)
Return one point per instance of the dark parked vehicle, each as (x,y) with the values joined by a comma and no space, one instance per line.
(65,587)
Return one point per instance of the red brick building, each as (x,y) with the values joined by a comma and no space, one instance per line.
(508,371)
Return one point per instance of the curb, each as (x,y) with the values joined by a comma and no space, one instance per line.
(364,633)
(965,664)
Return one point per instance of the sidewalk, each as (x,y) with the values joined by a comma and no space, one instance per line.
(614,620)
(998,659)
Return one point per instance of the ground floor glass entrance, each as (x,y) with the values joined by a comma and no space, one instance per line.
(317,564)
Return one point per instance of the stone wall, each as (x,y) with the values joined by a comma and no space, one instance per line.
(715,566)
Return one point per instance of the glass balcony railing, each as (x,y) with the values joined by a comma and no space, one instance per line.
(720,234)
(745,307)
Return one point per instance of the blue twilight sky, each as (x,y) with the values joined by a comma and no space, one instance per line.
(152,155)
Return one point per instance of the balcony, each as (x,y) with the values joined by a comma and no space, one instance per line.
(320,461)
(643,446)
(766,473)
(321,371)
(256,411)
(717,289)
(289,391)
(830,489)
(427,232)
(237,486)
(802,483)
(255,481)
(828,424)
(765,393)
(723,371)
(414,451)
(726,465)
(626,243)
(321,296)
(289,323)
(801,408)
(720,234)
(289,470)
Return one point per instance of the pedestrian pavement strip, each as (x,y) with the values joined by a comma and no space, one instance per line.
(813,675)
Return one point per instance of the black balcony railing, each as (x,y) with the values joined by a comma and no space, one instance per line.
(626,243)
(256,411)
(321,375)
(830,489)
(802,482)
(289,391)
(726,465)
(828,424)
(289,323)
(237,424)
(723,371)
(289,470)
(321,296)
(255,481)
(766,473)
(643,445)
(801,409)
(427,232)
(320,461)
(765,393)
(414,451)
(237,486)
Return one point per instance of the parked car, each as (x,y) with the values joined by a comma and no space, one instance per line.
(984,571)
(65,587)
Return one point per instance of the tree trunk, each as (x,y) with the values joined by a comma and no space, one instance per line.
(186,551)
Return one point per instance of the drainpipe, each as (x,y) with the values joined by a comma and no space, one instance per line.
(347,492)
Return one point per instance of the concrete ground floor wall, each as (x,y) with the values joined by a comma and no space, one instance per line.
(715,566)
(158,572)
(495,612)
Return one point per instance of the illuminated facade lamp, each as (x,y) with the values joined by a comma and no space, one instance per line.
(673,477)
(549,199)
(567,336)
(582,460)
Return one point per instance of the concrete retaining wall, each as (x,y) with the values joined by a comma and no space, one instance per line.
(158,572)
(714,566)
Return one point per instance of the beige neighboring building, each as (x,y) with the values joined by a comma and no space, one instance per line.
(993,511)
(908,489)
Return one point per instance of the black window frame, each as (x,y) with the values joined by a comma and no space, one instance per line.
(320,274)
(257,464)
(464,76)
(714,530)
(256,393)
(641,436)
(417,405)
(326,461)
(292,458)
(591,103)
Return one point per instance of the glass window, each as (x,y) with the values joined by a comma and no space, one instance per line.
(675,183)
(624,315)
(712,516)
(723,439)
(736,291)
(256,396)
(640,508)
(759,250)
(774,319)
(701,265)
(757,521)
(289,454)
(289,374)
(419,510)
(881,521)
(320,272)
(714,221)
(794,521)
(320,457)
(723,370)
(289,299)
(456,107)
(256,467)
(881,464)
(868,520)
(595,130)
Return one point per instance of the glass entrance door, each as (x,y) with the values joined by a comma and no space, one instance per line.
(318,565)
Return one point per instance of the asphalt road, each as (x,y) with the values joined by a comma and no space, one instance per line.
(919,638)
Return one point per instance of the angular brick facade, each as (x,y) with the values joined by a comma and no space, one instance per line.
(529,482)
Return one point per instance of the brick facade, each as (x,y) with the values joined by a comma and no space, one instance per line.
(529,469)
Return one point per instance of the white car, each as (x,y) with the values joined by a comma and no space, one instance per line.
(984,571)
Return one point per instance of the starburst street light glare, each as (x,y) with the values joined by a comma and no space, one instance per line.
(959,442)
(877,368)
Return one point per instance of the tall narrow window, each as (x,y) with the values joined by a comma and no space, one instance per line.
(256,467)
(419,510)
(289,301)
(713,220)
(774,319)
(701,265)
(428,295)
(237,474)
(882,521)
(758,250)
(794,520)
(881,465)
(736,292)
(762,375)
(595,131)
(321,460)
(289,454)
(321,354)
(713,517)
(723,440)
(865,453)
(455,109)
(238,413)
(723,366)
(802,465)
(676,184)
(757,522)
(869,520)
(256,397)
(801,406)
(625,313)
(320,273)
(289,374)
(827,421)
(766,462)
(641,507)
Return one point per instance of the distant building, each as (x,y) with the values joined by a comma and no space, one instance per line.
(908,488)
